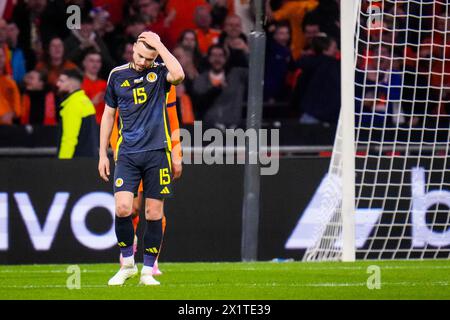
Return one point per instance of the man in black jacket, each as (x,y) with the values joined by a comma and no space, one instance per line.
(319,85)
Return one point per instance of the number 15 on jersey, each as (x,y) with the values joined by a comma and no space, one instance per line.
(139,95)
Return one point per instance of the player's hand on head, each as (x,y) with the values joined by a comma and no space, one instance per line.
(151,38)
(103,168)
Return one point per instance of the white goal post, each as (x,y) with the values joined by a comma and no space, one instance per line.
(387,192)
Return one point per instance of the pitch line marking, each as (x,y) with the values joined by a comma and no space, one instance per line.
(325,284)
(238,269)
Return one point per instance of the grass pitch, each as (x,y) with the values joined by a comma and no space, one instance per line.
(236,281)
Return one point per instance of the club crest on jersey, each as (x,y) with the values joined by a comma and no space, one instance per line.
(151,77)
(119,182)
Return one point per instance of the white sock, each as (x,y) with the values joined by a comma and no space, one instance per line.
(147,270)
(128,261)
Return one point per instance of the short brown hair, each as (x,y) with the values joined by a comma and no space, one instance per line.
(146,45)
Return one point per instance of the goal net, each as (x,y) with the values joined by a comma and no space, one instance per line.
(400,112)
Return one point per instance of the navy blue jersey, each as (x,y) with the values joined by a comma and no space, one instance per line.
(141,99)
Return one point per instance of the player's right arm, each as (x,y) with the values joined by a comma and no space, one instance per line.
(106,127)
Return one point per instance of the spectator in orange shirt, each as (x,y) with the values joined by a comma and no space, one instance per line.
(205,34)
(54,62)
(93,86)
(180,16)
(9,96)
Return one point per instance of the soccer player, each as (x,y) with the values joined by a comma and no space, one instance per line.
(138,90)
(171,101)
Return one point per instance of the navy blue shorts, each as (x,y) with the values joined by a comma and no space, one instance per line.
(153,167)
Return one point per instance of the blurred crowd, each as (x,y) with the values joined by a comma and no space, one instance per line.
(209,38)
(402,75)
(403,66)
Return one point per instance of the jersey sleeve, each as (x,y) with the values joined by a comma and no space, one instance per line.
(164,71)
(110,94)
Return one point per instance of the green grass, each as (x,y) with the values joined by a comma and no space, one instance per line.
(236,281)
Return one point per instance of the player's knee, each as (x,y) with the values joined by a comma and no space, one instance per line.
(153,213)
(123,210)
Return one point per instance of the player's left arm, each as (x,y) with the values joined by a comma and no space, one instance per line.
(176,74)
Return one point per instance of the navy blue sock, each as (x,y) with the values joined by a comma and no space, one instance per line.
(152,241)
(125,235)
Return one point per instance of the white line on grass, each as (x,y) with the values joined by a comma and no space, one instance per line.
(253,285)
(301,268)
(55,271)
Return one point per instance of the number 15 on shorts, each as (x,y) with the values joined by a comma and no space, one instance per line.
(164,176)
